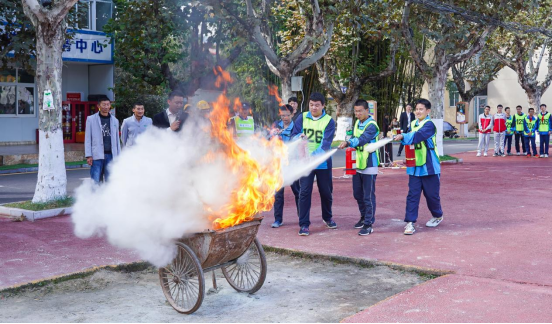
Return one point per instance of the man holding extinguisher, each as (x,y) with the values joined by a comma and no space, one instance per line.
(424,176)
(365,131)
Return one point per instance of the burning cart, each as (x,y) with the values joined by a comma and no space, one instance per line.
(235,250)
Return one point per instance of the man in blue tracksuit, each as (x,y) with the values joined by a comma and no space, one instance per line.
(425,176)
(530,126)
(365,131)
(319,129)
(545,120)
(283,129)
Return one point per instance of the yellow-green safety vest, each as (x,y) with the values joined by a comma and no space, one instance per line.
(519,121)
(362,156)
(314,130)
(509,122)
(544,124)
(244,127)
(420,149)
(530,124)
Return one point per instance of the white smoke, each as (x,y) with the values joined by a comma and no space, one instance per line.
(158,190)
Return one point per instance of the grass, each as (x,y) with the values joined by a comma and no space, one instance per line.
(459,139)
(447,158)
(29,205)
(24,166)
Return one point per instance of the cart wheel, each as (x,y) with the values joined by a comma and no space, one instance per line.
(182,281)
(248,273)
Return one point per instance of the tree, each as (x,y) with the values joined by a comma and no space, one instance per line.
(50,25)
(258,22)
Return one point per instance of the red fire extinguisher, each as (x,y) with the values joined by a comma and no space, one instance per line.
(350,161)
(410,153)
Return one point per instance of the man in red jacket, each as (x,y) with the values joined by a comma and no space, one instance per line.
(485,122)
(499,130)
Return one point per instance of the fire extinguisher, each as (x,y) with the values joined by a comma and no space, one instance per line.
(350,161)
(410,154)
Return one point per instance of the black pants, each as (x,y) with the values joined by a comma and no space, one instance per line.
(325,188)
(279,201)
(401,146)
(530,144)
(364,191)
(508,143)
(520,138)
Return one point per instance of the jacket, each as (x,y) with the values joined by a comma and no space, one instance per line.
(499,122)
(403,121)
(485,123)
(93,137)
(161,120)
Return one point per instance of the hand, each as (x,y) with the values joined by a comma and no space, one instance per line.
(175,125)
(398,137)
(343,145)
(303,136)
(89,160)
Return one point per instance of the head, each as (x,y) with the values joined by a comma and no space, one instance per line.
(487,110)
(294,103)
(176,101)
(543,108)
(409,108)
(423,108)
(394,119)
(531,111)
(499,108)
(138,110)
(245,110)
(361,109)
(104,105)
(316,104)
(518,109)
(507,111)
(204,108)
(285,113)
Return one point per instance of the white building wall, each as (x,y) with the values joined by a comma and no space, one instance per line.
(100,80)
(75,79)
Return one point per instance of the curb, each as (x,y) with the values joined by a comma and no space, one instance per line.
(457,161)
(30,215)
(35,169)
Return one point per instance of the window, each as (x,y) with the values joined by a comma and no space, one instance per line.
(103,13)
(454,95)
(17,93)
(94,14)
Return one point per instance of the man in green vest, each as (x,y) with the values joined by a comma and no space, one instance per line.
(243,124)
(509,132)
(545,120)
(518,121)
(425,175)
(530,126)
(365,131)
(318,128)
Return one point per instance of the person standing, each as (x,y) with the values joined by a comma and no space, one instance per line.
(283,129)
(545,120)
(519,120)
(365,131)
(404,120)
(134,125)
(294,103)
(499,129)
(425,176)
(318,128)
(509,132)
(101,141)
(174,117)
(530,126)
(485,123)
(242,125)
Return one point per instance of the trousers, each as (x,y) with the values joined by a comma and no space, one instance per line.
(364,191)
(430,186)
(325,189)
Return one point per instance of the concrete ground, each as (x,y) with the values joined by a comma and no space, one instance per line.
(495,239)
(295,290)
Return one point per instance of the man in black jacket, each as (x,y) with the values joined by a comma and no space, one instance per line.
(406,118)
(173,117)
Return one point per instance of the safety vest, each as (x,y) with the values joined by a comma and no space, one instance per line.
(544,123)
(420,149)
(519,121)
(362,156)
(509,122)
(244,127)
(530,125)
(314,130)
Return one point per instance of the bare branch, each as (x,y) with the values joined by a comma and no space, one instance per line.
(305,63)
(326,76)
(32,8)
(61,8)
(476,47)
(412,49)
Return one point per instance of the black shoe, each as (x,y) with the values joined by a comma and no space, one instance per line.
(360,223)
(398,154)
(366,230)
(330,224)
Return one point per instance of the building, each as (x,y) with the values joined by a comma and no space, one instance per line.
(87,71)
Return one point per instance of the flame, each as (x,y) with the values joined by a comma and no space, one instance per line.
(257,182)
(273,91)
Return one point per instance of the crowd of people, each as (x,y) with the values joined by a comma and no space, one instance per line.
(317,128)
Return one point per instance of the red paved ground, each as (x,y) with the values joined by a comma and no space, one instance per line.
(48,248)
(496,238)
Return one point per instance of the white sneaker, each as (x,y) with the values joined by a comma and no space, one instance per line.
(484,154)
(518,153)
(409,229)
(433,222)
(478,154)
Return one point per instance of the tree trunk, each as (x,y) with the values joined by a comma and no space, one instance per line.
(345,112)
(436,91)
(52,177)
(285,79)
(534,99)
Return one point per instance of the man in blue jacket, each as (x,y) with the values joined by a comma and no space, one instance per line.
(530,126)
(425,176)
(319,129)
(365,131)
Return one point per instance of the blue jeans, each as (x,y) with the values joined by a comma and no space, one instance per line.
(430,186)
(98,170)
(544,142)
(364,191)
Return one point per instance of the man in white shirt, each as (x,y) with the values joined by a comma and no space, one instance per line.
(173,117)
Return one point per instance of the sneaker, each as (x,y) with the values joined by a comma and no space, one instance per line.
(484,154)
(330,224)
(304,231)
(510,154)
(536,155)
(518,154)
(541,156)
(495,155)
(433,222)
(503,155)
(366,230)
(409,229)
(528,155)
(546,155)
(398,154)
(524,153)
(360,223)
(478,154)
(277,224)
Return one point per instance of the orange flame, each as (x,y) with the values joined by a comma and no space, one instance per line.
(257,182)
(273,91)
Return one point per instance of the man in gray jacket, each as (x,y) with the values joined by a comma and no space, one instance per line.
(101,143)
(134,125)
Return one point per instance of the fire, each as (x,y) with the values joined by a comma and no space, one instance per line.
(273,91)
(257,181)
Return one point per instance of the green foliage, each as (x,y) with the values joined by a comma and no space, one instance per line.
(29,205)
